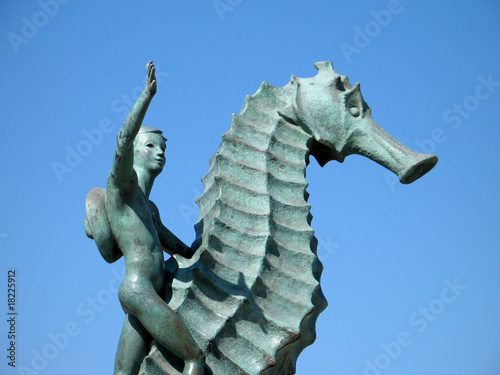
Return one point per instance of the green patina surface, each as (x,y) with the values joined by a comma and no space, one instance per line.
(250,295)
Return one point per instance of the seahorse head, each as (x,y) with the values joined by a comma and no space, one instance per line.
(340,121)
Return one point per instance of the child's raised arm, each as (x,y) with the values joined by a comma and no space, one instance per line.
(123,161)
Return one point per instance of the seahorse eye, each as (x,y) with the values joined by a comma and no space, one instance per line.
(354,111)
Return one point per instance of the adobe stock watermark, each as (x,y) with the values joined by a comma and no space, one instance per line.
(364,36)
(57,342)
(3,236)
(191,211)
(92,138)
(31,25)
(223,6)
(420,321)
(455,116)
(326,248)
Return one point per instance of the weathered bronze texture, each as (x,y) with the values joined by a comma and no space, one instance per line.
(122,220)
(250,295)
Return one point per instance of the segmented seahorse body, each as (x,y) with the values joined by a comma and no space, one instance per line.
(252,295)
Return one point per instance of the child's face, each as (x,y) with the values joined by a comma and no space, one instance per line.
(149,152)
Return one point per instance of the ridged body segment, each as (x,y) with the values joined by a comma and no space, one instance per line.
(252,294)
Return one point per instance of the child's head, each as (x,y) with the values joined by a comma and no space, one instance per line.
(149,149)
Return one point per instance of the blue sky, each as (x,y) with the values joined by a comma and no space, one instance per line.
(410,271)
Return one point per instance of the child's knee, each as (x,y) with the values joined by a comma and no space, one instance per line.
(129,295)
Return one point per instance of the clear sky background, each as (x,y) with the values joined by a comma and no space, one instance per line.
(411,272)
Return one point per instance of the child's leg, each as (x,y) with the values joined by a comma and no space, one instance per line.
(166,327)
(132,348)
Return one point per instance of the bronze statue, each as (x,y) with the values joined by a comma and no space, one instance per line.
(138,233)
(250,294)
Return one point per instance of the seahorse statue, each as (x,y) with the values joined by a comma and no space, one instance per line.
(252,293)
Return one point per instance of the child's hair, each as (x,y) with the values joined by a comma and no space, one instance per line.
(148,129)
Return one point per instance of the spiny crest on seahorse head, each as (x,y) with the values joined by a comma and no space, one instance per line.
(352,97)
(347,96)
(327,76)
(326,73)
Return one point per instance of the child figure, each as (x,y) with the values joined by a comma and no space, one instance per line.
(123,221)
